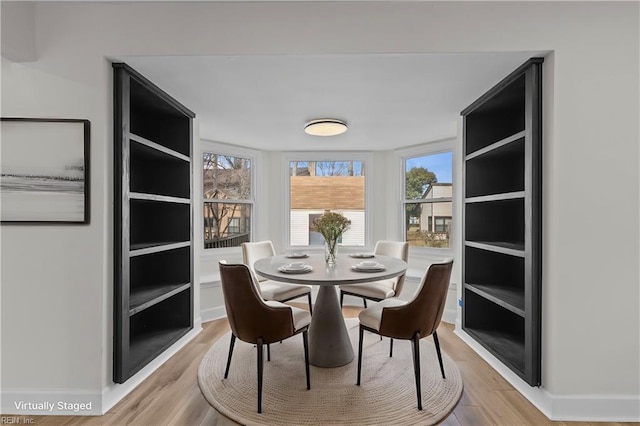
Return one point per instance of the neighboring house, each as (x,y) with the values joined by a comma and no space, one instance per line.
(436,217)
(311,196)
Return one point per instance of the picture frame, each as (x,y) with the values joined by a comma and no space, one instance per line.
(44,170)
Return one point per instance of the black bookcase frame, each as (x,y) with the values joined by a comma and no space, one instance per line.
(502,221)
(153,221)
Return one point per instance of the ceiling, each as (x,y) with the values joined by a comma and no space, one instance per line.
(389,101)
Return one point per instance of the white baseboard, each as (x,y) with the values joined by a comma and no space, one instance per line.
(113,393)
(583,408)
(213,313)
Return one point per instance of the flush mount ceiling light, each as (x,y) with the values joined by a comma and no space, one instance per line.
(325,127)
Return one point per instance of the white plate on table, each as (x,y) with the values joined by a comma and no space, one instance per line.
(368,266)
(362,255)
(296,255)
(295,269)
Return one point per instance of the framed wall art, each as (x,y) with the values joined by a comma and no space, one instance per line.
(44,170)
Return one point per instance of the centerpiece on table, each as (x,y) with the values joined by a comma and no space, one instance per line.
(331,226)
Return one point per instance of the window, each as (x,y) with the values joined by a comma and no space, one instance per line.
(427,205)
(319,186)
(234,226)
(227,200)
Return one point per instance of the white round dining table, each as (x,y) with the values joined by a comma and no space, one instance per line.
(329,343)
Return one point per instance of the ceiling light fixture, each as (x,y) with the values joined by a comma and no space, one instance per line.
(325,127)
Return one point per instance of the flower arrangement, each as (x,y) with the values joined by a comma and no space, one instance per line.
(331,226)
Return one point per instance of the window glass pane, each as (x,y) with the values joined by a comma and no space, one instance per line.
(226,177)
(428,224)
(226,224)
(319,186)
(422,173)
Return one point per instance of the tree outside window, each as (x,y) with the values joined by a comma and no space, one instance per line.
(227,200)
(428,200)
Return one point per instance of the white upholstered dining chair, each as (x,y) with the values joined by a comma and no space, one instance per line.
(270,289)
(380,290)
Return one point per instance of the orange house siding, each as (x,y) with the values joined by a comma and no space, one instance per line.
(327,192)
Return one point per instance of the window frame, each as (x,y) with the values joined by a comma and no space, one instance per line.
(232,151)
(432,148)
(367,162)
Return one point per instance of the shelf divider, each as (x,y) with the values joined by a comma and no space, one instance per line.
(158,147)
(508,297)
(144,298)
(503,247)
(149,248)
(495,197)
(161,198)
(496,145)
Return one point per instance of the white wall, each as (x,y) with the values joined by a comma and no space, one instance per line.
(61,309)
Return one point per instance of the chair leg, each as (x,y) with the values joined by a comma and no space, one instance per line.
(360,355)
(305,341)
(435,340)
(233,341)
(365,302)
(341,298)
(391,347)
(260,367)
(310,305)
(268,352)
(416,366)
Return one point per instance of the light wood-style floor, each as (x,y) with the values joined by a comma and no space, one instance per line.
(171,395)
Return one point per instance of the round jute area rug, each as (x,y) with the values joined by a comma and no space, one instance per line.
(386,396)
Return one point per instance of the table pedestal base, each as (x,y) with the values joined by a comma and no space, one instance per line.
(329,343)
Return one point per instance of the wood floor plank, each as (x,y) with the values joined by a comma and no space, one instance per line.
(171,396)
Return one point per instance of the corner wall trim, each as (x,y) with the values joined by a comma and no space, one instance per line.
(584,408)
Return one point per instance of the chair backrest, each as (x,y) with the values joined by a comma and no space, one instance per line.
(397,249)
(249,316)
(424,312)
(255,251)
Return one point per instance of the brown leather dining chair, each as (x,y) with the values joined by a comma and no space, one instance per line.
(255,321)
(272,290)
(380,290)
(412,320)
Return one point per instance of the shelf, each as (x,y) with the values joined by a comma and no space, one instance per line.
(498,170)
(149,345)
(494,147)
(155,172)
(501,220)
(146,297)
(157,147)
(508,297)
(503,346)
(512,249)
(160,198)
(156,247)
(153,222)
(156,118)
(498,118)
(496,197)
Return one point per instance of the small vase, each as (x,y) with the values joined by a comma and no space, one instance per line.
(330,251)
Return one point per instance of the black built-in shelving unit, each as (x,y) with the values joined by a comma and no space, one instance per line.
(153,221)
(502,219)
